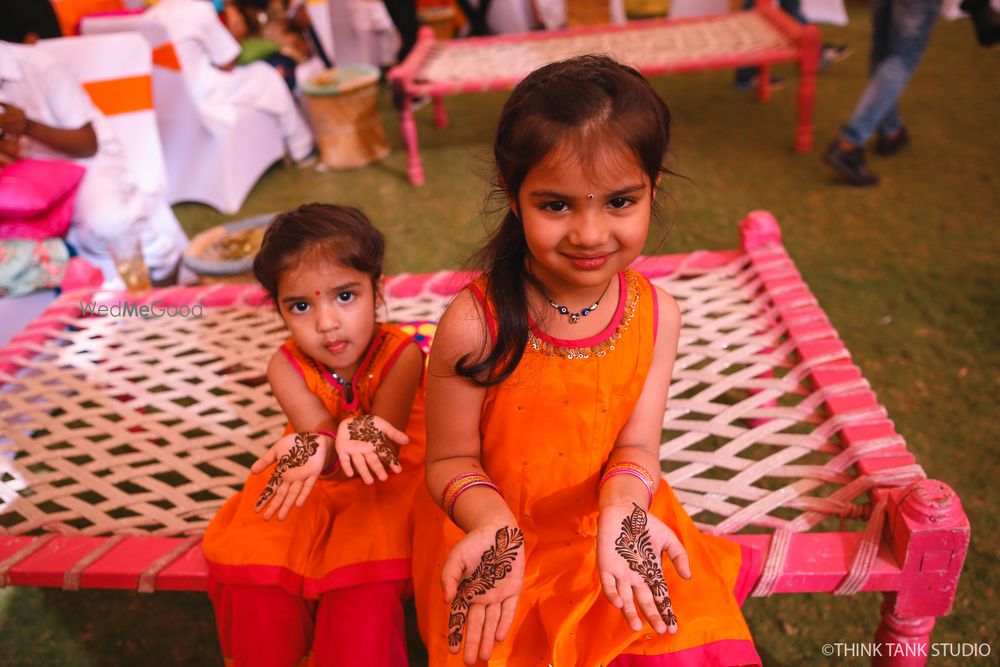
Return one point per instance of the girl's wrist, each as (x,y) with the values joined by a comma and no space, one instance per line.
(332,462)
(495,521)
(626,482)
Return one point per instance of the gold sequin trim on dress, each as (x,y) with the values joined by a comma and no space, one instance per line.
(605,346)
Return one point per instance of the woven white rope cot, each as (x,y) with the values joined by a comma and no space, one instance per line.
(121,436)
(757,38)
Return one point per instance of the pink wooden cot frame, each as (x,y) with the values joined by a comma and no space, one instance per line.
(920,555)
(806,53)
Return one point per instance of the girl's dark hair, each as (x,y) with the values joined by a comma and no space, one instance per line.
(318,233)
(596,102)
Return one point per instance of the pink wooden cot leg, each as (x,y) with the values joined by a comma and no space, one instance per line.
(440,113)
(415,168)
(902,642)
(764,84)
(808,66)
(929,535)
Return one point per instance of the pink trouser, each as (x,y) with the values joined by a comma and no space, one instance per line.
(266,626)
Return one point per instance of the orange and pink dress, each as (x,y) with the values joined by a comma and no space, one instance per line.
(347,533)
(547,432)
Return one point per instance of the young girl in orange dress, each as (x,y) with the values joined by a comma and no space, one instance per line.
(311,559)
(541,541)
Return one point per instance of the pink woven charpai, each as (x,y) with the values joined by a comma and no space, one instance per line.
(132,425)
(658,45)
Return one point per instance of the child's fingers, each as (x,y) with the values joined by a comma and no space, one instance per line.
(375,465)
(473,632)
(289,500)
(361,466)
(490,623)
(648,607)
(669,617)
(388,458)
(307,487)
(263,462)
(678,556)
(266,498)
(628,606)
(451,574)
(609,584)
(507,609)
(345,463)
(392,433)
(279,497)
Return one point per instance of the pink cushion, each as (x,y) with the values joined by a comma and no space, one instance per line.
(36,198)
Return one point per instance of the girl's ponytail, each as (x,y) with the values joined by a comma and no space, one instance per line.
(504,260)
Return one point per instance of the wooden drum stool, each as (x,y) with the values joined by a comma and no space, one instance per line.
(587,12)
(441,20)
(344,113)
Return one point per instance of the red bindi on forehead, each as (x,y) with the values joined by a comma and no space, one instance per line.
(317,292)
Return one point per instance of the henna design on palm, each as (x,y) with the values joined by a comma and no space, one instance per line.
(363,428)
(305,446)
(634,546)
(496,563)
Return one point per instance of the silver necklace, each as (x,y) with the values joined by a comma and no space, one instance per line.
(344,383)
(575,317)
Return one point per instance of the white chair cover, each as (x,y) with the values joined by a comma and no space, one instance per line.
(211,157)
(106,59)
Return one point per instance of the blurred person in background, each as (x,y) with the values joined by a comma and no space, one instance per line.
(209,56)
(45,113)
(266,30)
(27,21)
(746,77)
(901,30)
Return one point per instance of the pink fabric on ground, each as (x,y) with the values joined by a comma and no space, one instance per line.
(81,274)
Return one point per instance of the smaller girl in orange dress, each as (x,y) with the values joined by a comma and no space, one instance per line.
(311,559)
(549,536)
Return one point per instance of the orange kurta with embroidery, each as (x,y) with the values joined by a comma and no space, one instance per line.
(547,432)
(348,533)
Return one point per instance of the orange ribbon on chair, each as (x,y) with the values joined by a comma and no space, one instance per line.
(116,96)
(69,12)
(165,56)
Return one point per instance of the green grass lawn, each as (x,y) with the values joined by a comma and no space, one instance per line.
(907,272)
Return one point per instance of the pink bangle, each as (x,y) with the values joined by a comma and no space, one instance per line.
(633,469)
(459,485)
(455,482)
(320,431)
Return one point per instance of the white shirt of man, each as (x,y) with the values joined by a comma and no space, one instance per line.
(48,92)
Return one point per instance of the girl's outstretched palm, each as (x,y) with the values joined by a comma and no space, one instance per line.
(630,544)
(300,459)
(482,581)
(366,445)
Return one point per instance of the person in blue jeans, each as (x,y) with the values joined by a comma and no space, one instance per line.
(746,77)
(901,30)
